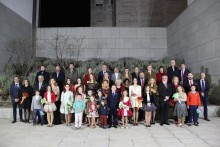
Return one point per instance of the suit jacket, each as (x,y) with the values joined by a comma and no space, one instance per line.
(72,75)
(199,87)
(113,101)
(14,92)
(145,84)
(100,76)
(46,76)
(186,85)
(42,90)
(184,75)
(164,91)
(152,99)
(172,73)
(133,75)
(113,77)
(60,79)
(149,76)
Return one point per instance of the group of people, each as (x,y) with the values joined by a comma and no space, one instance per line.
(129,97)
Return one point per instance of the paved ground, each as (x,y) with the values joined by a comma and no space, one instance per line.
(26,135)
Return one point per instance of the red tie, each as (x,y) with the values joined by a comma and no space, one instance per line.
(182,75)
(142,83)
(190,82)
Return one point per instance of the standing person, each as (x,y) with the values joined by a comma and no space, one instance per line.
(125,110)
(136,73)
(161,72)
(165,92)
(67,104)
(203,89)
(49,106)
(193,103)
(126,84)
(103,113)
(189,82)
(172,71)
(71,73)
(153,90)
(26,98)
(183,74)
(113,103)
(150,73)
(41,86)
(119,88)
(148,105)
(44,73)
(59,76)
(126,74)
(56,91)
(175,84)
(135,93)
(72,87)
(15,98)
(87,76)
(101,74)
(116,75)
(93,112)
(180,110)
(78,106)
(37,107)
(91,83)
(78,83)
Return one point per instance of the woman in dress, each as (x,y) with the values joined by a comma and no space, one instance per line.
(180,109)
(135,95)
(124,109)
(66,104)
(148,105)
(56,91)
(159,75)
(26,99)
(127,75)
(49,106)
(87,77)
(119,87)
(154,92)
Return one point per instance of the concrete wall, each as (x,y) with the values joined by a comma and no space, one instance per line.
(109,43)
(12,26)
(195,36)
(23,8)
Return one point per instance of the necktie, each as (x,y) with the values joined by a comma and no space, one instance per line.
(203,85)
(57,75)
(142,82)
(190,82)
(182,75)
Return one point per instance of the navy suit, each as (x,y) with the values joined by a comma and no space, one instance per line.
(42,90)
(60,79)
(15,93)
(204,98)
(113,104)
(185,74)
(171,73)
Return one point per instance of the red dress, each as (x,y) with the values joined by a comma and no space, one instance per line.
(159,77)
(124,111)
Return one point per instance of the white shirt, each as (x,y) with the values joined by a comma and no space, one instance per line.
(116,76)
(148,97)
(49,97)
(40,84)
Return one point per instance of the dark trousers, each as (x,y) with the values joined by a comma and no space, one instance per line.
(112,117)
(16,105)
(205,105)
(164,107)
(37,113)
(103,119)
(193,114)
(57,119)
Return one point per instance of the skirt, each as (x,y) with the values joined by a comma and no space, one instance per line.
(134,102)
(92,114)
(150,108)
(180,110)
(50,107)
(66,110)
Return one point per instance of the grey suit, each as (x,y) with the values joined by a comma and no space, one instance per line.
(113,78)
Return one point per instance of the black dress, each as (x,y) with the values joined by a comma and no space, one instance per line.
(28,92)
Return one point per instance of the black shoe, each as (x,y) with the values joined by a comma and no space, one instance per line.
(153,123)
(196,124)
(21,120)
(109,127)
(115,127)
(14,121)
(167,123)
(41,124)
(207,119)
(189,124)
(161,124)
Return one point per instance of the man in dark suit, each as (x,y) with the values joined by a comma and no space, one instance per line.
(116,75)
(71,73)
(113,104)
(101,74)
(203,89)
(136,73)
(45,74)
(189,82)
(59,76)
(183,73)
(15,98)
(165,93)
(40,85)
(172,71)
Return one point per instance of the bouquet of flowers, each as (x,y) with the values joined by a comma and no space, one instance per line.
(140,99)
(43,101)
(121,105)
(24,96)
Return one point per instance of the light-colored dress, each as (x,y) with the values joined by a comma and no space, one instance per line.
(134,94)
(67,101)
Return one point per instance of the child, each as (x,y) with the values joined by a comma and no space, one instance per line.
(124,109)
(66,104)
(37,107)
(193,102)
(103,112)
(78,106)
(92,114)
(49,106)
(87,100)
